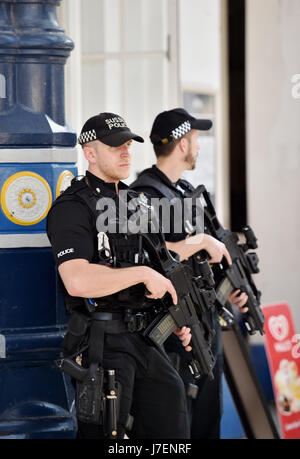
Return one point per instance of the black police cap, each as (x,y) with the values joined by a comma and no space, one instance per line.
(109,128)
(173,124)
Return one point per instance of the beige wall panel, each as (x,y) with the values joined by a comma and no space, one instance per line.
(273,146)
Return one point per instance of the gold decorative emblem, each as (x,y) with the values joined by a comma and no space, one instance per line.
(26,198)
(64,181)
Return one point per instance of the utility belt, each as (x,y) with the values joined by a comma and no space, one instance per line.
(113,322)
(129,321)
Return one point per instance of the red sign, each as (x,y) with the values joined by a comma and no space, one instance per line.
(283,351)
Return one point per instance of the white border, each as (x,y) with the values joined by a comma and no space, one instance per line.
(13,241)
(38,155)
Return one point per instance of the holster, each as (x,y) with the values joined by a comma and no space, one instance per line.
(97,396)
(89,392)
(89,398)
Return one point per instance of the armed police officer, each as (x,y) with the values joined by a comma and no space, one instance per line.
(174,137)
(104,284)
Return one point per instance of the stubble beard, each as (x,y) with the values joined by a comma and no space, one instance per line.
(191,161)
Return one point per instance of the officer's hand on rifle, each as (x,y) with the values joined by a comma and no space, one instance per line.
(158,286)
(185,336)
(216,249)
(197,243)
(239,299)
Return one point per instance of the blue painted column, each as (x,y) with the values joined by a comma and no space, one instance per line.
(37,161)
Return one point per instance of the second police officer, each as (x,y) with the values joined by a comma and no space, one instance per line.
(174,136)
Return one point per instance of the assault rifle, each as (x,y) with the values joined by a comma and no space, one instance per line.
(244,264)
(185,313)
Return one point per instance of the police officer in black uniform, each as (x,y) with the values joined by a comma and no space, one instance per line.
(174,136)
(100,289)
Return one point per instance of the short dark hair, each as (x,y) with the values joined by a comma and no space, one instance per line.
(167,148)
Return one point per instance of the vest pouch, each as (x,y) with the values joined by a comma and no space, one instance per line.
(133,297)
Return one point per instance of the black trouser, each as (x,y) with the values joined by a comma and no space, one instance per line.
(151,391)
(206,409)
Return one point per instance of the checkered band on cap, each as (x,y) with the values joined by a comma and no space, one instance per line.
(87,136)
(183,129)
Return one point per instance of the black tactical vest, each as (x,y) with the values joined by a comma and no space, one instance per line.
(150,179)
(126,251)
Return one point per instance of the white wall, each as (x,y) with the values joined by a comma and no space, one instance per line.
(273,146)
(203,69)
(200,51)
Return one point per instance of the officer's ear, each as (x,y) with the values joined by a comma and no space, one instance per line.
(184,145)
(89,153)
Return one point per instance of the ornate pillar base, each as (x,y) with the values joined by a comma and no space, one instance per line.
(37,161)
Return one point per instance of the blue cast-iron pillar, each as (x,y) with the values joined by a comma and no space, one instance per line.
(37,161)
